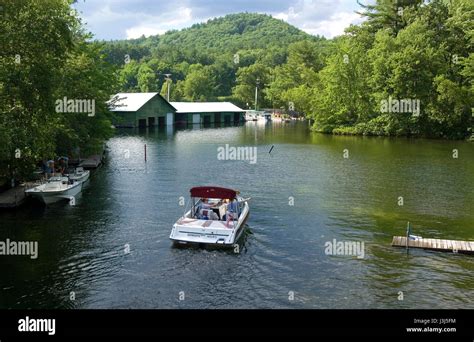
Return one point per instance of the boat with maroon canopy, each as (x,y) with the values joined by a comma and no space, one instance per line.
(217,217)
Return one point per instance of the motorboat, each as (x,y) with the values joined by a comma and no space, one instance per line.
(264,116)
(217,217)
(277,119)
(251,115)
(56,189)
(280,118)
(80,175)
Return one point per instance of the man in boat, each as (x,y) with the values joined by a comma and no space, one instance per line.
(203,208)
(231,212)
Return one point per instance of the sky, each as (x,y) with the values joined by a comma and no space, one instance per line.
(127,19)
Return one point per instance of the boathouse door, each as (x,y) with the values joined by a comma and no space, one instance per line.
(161,121)
(196,119)
(236,117)
(169,119)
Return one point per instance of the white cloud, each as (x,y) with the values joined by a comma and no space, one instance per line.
(138,31)
(334,26)
(325,17)
(152,25)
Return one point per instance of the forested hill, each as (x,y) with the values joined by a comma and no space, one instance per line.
(205,41)
(220,59)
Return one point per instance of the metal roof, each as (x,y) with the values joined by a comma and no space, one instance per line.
(130,102)
(205,107)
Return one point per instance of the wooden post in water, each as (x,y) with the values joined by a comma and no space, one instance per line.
(408,235)
(145,153)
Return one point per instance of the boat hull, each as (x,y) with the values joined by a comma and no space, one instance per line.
(189,231)
(81,179)
(50,197)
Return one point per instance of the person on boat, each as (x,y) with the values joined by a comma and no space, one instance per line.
(205,203)
(231,212)
(203,207)
(50,168)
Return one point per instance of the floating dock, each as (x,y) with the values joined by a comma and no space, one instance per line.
(453,246)
(93,162)
(12,198)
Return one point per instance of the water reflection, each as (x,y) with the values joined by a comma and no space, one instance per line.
(304,194)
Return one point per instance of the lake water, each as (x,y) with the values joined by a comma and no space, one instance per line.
(304,194)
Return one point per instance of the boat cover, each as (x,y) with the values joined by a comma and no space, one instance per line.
(213,192)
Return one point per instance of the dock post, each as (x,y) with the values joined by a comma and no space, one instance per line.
(408,236)
(145,153)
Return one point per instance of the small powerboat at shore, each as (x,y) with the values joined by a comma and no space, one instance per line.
(80,175)
(55,190)
(264,116)
(217,217)
(251,115)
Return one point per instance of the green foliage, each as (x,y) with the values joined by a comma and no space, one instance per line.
(248,78)
(200,84)
(425,56)
(146,79)
(35,72)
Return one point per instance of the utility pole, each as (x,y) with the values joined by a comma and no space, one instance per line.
(256,93)
(168,81)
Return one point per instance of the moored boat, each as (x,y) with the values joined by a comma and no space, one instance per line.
(251,115)
(55,190)
(264,116)
(80,175)
(217,217)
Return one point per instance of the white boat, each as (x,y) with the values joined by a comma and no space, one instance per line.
(217,217)
(55,190)
(277,118)
(251,115)
(80,175)
(264,116)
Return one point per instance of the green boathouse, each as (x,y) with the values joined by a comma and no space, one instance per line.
(151,110)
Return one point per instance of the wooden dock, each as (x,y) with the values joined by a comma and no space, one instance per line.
(93,162)
(453,246)
(12,198)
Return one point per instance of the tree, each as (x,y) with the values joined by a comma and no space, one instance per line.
(29,71)
(342,97)
(388,14)
(37,73)
(248,78)
(200,84)
(294,80)
(147,79)
(128,77)
(86,75)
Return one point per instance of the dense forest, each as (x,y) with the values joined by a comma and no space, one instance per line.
(407,70)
